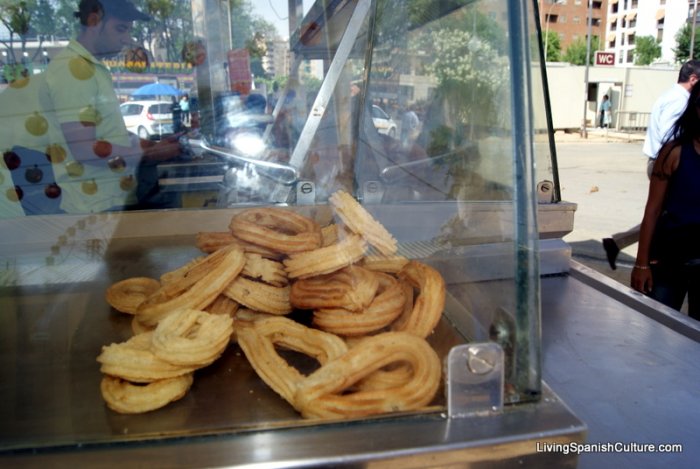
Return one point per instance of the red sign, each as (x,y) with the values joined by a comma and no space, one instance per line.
(604,58)
(239,71)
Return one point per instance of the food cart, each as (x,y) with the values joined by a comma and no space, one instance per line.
(472,194)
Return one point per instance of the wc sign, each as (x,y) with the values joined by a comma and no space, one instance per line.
(604,58)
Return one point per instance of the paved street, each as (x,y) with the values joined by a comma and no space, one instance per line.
(606,177)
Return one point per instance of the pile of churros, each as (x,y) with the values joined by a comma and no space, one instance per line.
(371,314)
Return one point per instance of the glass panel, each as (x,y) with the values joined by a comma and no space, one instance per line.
(422,111)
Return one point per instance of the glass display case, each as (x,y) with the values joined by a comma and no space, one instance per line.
(200,273)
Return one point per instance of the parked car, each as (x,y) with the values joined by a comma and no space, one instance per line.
(148,118)
(384,124)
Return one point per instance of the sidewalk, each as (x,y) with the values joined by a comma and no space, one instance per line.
(605,175)
(599,135)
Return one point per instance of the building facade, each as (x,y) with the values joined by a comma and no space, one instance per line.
(618,24)
(569,19)
(630,19)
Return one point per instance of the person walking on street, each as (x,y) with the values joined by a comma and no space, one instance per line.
(185,109)
(664,113)
(667,267)
(605,109)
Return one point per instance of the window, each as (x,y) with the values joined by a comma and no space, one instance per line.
(576,20)
(131,109)
(630,39)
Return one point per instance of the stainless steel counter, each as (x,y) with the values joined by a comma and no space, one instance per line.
(626,365)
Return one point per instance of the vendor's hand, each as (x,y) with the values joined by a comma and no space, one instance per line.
(642,280)
(167,148)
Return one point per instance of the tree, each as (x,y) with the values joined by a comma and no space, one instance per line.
(646,50)
(552,45)
(682,51)
(24,19)
(576,52)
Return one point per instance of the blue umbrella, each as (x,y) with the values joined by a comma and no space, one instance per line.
(157,89)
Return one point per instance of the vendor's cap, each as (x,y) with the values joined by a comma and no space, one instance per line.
(120,9)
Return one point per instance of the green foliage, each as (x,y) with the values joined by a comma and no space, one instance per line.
(576,52)
(682,50)
(551,44)
(646,50)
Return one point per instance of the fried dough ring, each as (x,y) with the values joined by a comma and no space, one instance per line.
(278,229)
(210,241)
(127,398)
(191,337)
(321,394)
(137,327)
(259,338)
(134,361)
(352,288)
(389,264)
(214,273)
(360,221)
(185,272)
(327,259)
(428,304)
(329,234)
(126,295)
(223,305)
(259,296)
(266,270)
(386,306)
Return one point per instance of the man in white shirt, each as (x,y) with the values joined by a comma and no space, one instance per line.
(667,108)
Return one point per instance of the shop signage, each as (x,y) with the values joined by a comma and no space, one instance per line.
(605,58)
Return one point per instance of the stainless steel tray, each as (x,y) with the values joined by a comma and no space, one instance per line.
(52,333)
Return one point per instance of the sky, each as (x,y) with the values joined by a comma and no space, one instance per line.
(275,11)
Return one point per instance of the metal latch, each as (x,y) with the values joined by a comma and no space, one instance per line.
(474,379)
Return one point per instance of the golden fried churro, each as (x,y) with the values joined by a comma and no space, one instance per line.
(212,276)
(259,296)
(127,398)
(128,294)
(428,304)
(360,221)
(384,308)
(191,337)
(327,259)
(352,288)
(278,229)
(259,338)
(322,394)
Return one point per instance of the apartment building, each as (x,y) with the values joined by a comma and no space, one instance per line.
(631,19)
(618,23)
(569,19)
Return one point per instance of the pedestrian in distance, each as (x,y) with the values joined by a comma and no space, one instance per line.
(605,112)
(667,267)
(664,113)
(185,109)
